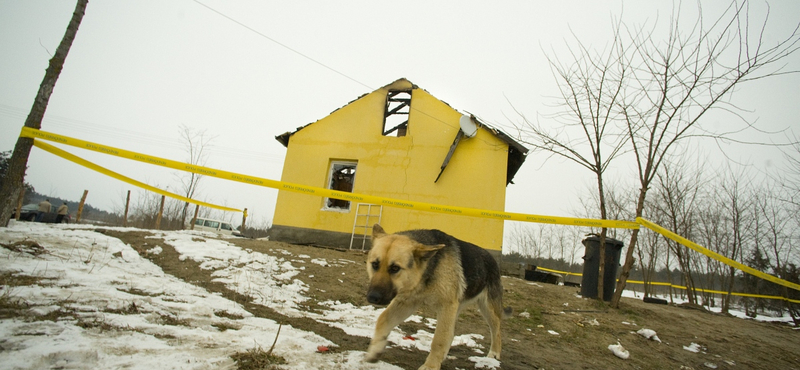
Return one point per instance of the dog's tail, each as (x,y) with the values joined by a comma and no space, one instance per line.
(496,297)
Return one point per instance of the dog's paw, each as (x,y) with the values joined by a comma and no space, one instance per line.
(426,367)
(374,350)
(494,355)
(371,358)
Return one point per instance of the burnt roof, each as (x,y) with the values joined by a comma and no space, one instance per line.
(516,152)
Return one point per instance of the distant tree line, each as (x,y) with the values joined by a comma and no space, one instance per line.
(749,217)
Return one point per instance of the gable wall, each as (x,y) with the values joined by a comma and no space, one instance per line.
(398,167)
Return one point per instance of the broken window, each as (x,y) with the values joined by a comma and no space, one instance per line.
(342,176)
(395,117)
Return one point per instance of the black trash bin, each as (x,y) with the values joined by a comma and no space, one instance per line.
(591,267)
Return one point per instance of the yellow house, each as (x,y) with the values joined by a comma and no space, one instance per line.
(397,142)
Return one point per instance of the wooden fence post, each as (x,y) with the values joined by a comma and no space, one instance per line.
(194,219)
(160,212)
(80,206)
(127,204)
(244,221)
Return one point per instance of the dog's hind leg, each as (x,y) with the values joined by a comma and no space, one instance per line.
(492,312)
(442,336)
(393,315)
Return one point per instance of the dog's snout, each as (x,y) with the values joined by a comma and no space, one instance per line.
(374,297)
(380,296)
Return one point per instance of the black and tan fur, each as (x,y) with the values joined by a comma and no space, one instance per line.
(416,267)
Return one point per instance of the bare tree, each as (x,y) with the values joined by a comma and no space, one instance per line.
(545,242)
(12,182)
(526,240)
(654,92)
(590,88)
(775,234)
(788,179)
(679,80)
(197,145)
(712,231)
(648,253)
(735,198)
(677,191)
(786,246)
(144,209)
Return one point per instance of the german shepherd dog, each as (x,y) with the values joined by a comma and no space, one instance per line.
(429,267)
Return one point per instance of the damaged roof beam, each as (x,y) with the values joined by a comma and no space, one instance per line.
(395,128)
(396,110)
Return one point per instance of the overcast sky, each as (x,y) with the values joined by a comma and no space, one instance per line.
(138,70)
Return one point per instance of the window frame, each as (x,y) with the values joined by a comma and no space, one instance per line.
(330,204)
(398,105)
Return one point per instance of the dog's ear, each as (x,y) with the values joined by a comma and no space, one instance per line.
(377,231)
(423,252)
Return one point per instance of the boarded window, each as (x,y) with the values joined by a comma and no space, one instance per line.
(395,117)
(342,176)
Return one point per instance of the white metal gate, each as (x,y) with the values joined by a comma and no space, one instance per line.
(366,216)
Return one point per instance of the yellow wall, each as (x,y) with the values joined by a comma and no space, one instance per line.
(398,167)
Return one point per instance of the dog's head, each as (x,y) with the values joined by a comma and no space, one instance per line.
(395,265)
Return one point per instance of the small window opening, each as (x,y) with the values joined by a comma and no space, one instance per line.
(342,177)
(395,117)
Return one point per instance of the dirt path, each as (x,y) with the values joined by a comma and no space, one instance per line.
(555,331)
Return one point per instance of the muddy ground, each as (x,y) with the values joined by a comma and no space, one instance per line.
(558,330)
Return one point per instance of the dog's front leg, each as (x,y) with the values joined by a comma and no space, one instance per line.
(392,316)
(442,337)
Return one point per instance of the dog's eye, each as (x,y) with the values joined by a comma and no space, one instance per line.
(393,269)
(375,265)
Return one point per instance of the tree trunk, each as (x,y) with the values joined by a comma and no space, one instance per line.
(629,260)
(726,299)
(19,203)
(15,176)
(603,215)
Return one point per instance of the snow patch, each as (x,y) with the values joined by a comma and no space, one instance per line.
(649,334)
(619,351)
(485,362)
(694,347)
(149,319)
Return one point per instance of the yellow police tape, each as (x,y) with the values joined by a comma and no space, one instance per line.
(405,204)
(696,247)
(107,172)
(322,192)
(658,283)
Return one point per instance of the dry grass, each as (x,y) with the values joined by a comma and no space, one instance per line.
(257,359)
(25,246)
